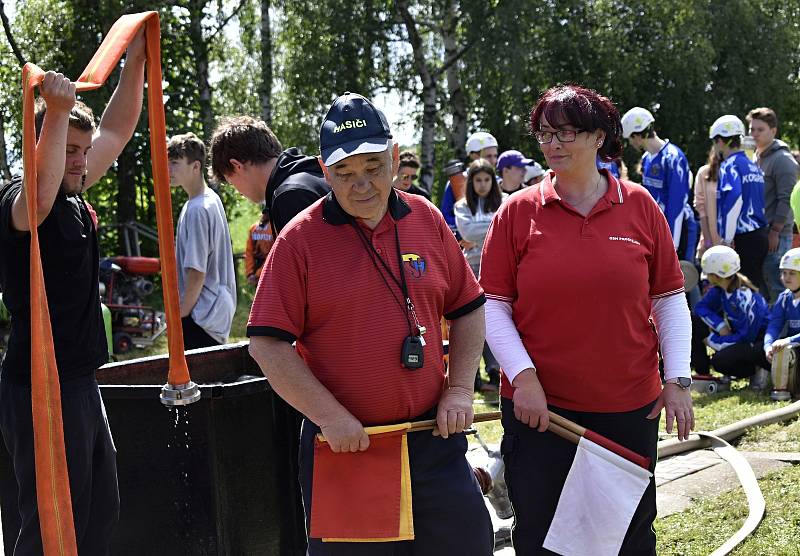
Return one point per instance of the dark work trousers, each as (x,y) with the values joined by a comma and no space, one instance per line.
(91,462)
(752,248)
(450,516)
(537,464)
(739,360)
(194,336)
(701,362)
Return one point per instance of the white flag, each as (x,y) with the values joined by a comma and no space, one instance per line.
(597,503)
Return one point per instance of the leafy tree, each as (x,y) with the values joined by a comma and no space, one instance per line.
(323,50)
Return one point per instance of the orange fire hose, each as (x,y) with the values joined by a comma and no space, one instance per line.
(52,480)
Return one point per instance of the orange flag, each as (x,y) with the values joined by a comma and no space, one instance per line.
(52,480)
(363,496)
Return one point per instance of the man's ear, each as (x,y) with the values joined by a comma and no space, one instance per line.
(324,170)
(236,166)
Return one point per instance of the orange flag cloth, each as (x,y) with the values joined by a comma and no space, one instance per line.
(363,496)
(52,480)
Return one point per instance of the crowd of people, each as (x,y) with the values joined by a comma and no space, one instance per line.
(566,281)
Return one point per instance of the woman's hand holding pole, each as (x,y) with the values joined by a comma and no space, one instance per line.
(530,402)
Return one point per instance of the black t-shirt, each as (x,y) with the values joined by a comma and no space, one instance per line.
(295,184)
(70,259)
(417,190)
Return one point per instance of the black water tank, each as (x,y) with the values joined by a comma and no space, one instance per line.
(217,477)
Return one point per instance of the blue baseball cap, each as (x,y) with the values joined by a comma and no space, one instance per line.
(512,158)
(352,126)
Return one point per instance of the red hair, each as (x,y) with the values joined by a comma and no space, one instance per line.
(584,109)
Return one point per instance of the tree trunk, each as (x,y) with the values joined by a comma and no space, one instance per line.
(126,190)
(9,36)
(429,93)
(200,51)
(5,171)
(458,102)
(265,89)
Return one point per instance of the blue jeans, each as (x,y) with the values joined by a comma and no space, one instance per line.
(772,274)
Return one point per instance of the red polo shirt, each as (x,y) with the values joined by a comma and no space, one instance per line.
(581,290)
(320,287)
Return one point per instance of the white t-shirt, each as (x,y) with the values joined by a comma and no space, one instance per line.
(203,242)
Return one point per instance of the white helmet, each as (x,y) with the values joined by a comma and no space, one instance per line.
(636,120)
(791,260)
(721,260)
(480,140)
(726,126)
(533,170)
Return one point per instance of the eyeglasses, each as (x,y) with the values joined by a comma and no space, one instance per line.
(411,177)
(563,135)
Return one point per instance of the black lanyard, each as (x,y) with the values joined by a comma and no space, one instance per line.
(408,307)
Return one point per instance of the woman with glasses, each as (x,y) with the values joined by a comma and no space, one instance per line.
(573,268)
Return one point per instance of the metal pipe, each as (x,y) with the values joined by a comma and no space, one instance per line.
(179,394)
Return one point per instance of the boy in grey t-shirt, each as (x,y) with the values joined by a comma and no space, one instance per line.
(206,277)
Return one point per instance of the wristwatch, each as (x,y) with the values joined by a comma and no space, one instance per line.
(683,381)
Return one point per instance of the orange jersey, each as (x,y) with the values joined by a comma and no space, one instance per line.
(259,242)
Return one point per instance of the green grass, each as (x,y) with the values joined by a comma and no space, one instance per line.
(716,410)
(240,226)
(491,431)
(710,522)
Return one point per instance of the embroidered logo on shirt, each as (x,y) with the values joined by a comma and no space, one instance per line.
(623,238)
(415,263)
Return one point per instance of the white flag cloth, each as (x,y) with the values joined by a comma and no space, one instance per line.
(597,503)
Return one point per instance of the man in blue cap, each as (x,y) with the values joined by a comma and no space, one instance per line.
(360,281)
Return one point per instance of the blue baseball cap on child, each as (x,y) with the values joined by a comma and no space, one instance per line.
(352,126)
(512,158)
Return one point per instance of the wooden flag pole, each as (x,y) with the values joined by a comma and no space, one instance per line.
(561,426)
(564,428)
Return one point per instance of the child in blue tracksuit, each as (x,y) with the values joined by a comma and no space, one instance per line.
(736,315)
(783,330)
(741,221)
(666,175)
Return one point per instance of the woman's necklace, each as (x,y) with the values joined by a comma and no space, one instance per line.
(591,193)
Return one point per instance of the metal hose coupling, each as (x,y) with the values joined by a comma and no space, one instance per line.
(179,394)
